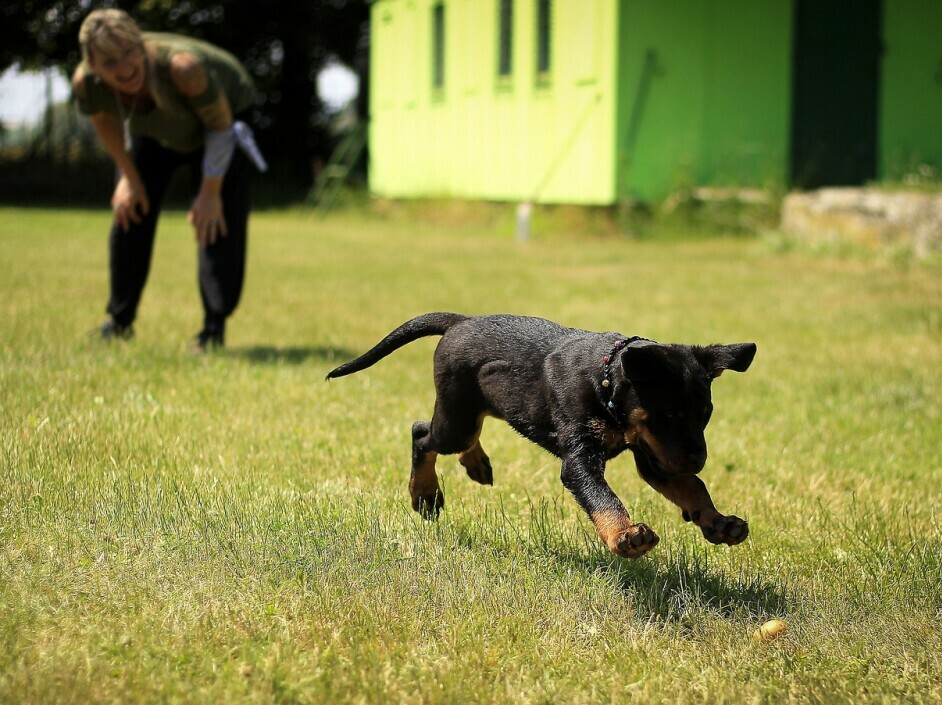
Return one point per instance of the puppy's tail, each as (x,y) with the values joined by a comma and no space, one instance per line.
(419,327)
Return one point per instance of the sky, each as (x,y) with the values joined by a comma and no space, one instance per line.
(337,85)
(23,94)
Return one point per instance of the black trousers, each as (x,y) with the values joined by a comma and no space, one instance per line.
(221,265)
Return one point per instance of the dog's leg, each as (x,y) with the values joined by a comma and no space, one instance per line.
(427,497)
(585,478)
(475,460)
(454,428)
(690,494)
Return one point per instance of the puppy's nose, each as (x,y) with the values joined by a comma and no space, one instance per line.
(696,458)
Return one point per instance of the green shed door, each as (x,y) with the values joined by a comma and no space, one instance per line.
(835,92)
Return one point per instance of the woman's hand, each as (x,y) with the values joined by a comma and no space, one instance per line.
(207,218)
(129,202)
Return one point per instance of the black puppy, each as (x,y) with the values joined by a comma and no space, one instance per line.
(585,397)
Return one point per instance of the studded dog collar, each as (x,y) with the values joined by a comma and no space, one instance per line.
(608,389)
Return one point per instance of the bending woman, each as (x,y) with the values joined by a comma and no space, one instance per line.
(159,102)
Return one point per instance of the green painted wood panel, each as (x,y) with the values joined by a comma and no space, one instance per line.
(911,97)
(704,94)
(548,138)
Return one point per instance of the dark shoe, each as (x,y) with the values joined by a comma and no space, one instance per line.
(112,330)
(207,340)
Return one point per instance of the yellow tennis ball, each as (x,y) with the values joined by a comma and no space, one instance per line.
(772,629)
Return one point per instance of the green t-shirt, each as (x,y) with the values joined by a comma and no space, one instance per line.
(176,126)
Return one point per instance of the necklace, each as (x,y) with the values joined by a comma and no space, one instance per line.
(125,119)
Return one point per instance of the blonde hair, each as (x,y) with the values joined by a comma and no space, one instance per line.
(108,33)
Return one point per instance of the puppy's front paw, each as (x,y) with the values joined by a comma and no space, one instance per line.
(635,542)
(729,530)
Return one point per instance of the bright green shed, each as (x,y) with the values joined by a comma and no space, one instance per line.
(596,101)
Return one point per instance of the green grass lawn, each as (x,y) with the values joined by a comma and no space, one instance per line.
(232,528)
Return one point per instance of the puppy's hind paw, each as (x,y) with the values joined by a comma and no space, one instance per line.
(477,465)
(635,542)
(728,530)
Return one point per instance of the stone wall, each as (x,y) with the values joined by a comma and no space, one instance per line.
(866,217)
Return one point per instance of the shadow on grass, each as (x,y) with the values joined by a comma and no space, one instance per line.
(269,355)
(684,585)
(675,583)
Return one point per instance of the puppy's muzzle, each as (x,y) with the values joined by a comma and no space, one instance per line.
(679,463)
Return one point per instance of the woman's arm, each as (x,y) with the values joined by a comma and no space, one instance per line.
(211,106)
(129,201)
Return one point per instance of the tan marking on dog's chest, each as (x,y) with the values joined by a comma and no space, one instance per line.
(611,438)
(618,439)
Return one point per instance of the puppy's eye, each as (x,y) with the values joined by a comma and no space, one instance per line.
(674,415)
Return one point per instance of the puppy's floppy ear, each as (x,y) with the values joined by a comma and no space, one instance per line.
(646,363)
(736,357)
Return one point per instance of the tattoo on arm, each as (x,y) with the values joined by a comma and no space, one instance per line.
(193,81)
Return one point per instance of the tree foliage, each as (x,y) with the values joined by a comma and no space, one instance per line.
(283,44)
